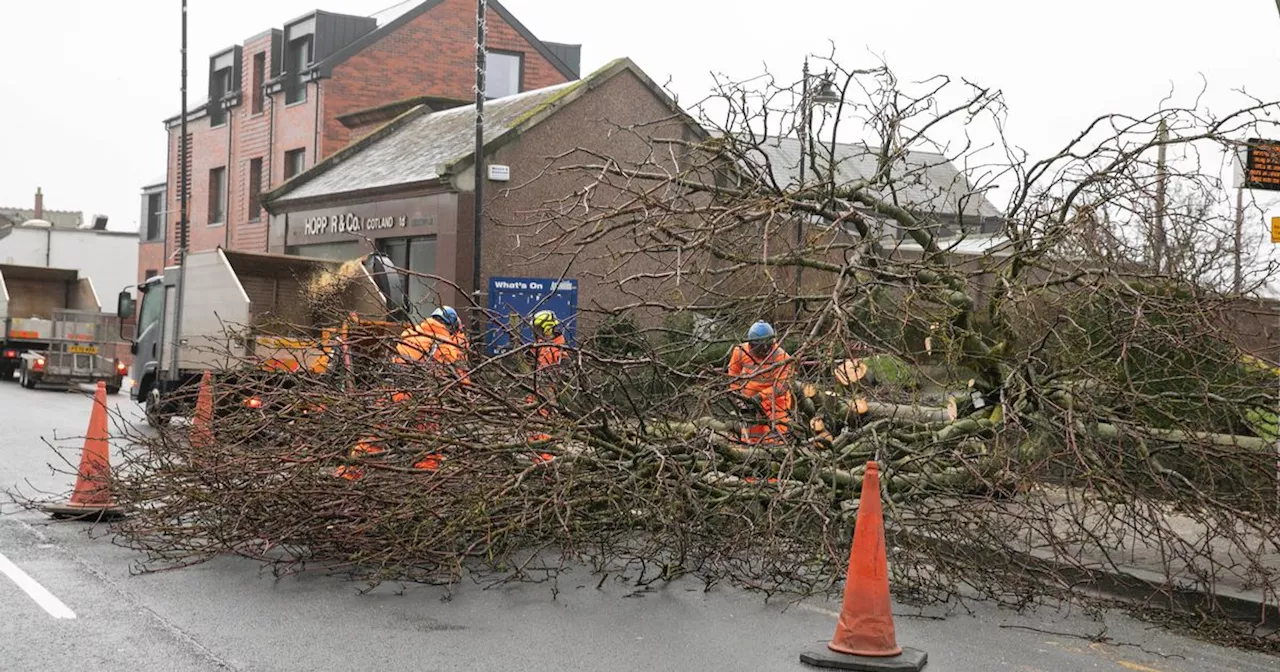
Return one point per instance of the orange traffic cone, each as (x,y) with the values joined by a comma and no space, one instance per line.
(201,435)
(865,637)
(92,496)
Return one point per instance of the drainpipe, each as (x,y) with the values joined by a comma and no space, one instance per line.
(226,224)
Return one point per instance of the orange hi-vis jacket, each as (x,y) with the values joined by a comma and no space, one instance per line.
(550,353)
(767,380)
(432,340)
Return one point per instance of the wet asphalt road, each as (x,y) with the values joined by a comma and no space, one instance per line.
(225,616)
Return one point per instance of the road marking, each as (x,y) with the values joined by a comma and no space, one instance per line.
(37,592)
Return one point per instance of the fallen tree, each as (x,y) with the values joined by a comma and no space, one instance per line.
(995,388)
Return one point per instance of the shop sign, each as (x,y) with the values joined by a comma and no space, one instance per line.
(513,302)
(350,223)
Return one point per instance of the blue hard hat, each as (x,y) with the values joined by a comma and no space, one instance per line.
(760,331)
(448,316)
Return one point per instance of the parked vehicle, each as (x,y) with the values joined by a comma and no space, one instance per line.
(245,319)
(55,332)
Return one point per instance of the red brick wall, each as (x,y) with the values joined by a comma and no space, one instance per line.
(432,55)
(208,150)
(150,257)
(252,141)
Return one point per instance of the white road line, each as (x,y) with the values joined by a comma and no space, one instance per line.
(37,592)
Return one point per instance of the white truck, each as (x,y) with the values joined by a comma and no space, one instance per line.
(55,332)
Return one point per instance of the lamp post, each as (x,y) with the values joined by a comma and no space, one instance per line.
(477,233)
(182,201)
(825,95)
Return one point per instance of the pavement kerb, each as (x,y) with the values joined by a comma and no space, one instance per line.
(1127,584)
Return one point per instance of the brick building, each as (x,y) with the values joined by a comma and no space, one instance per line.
(408,190)
(289,97)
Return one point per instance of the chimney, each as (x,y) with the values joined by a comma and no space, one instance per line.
(39,213)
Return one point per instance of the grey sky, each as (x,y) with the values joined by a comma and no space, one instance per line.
(85,84)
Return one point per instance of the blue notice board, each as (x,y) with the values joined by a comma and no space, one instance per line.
(524,297)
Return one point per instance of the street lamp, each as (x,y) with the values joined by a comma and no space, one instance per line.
(825,94)
(477,237)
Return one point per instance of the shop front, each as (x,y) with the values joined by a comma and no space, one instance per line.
(418,235)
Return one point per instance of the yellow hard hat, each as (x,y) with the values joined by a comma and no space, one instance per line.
(545,321)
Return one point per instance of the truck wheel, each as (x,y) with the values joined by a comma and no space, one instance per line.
(6,372)
(154,410)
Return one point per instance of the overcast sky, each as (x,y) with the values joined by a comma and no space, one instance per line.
(85,84)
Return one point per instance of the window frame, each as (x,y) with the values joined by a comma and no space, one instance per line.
(288,163)
(221,193)
(257,101)
(153,296)
(218,114)
(519,56)
(158,215)
(255,189)
(293,82)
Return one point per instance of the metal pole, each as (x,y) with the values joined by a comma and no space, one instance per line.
(804,142)
(183,178)
(1237,284)
(1158,238)
(478,307)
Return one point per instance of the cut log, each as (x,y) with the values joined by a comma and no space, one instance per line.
(878,409)
(850,371)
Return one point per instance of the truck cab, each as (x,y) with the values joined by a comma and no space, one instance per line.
(145,345)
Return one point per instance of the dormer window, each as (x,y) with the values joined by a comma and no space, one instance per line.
(299,55)
(223,70)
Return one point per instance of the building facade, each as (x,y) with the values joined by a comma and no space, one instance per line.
(287,98)
(408,190)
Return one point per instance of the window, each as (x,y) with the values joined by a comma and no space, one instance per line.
(155,216)
(255,190)
(502,74)
(152,306)
(295,161)
(217,195)
(298,59)
(418,257)
(220,86)
(259,78)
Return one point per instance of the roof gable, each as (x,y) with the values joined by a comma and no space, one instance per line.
(325,67)
(422,147)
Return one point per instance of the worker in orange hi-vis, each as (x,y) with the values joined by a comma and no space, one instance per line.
(439,344)
(548,354)
(761,373)
(438,341)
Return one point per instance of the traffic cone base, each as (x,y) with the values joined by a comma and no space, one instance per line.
(84,511)
(865,638)
(910,660)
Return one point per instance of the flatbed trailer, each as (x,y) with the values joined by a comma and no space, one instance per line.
(54,332)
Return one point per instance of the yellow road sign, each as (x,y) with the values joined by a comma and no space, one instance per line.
(1275,229)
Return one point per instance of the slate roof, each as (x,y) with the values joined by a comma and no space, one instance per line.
(421,147)
(930,183)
